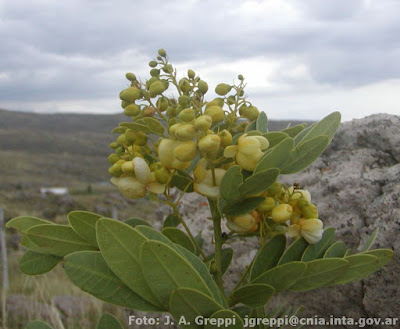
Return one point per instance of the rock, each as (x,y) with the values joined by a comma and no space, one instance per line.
(356,186)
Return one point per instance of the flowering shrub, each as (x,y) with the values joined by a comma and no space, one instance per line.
(222,149)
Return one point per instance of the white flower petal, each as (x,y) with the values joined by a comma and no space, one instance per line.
(156,187)
(142,170)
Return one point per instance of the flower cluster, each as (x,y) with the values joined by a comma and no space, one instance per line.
(187,135)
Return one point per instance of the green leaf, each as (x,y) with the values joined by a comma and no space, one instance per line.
(268,256)
(24,223)
(178,237)
(317,250)
(224,319)
(188,304)
(242,311)
(226,258)
(262,123)
(33,263)
(295,130)
(202,269)
(152,234)
(135,126)
(154,125)
(254,295)
(109,321)
(274,138)
(230,183)
(294,252)
(119,130)
(319,272)
(173,271)
(243,206)
(282,276)
(337,250)
(259,182)
(28,244)
(305,154)
(384,255)
(89,271)
(171,221)
(37,325)
(182,181)
(120,246)
(277,157)
(136,221)
(326,127)
(84,224)
(58,240)
(370,240)
(251,126)
(361,266)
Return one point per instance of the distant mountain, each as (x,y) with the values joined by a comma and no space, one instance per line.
(60,147)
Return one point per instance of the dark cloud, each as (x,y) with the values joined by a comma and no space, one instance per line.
(54,50)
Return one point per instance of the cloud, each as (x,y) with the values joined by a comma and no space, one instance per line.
(65,55)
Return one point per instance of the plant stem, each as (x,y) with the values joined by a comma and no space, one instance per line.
(218,243)
(177,214)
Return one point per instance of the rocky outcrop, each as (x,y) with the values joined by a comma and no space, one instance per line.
(356,186)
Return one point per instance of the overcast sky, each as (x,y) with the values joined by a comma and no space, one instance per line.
(302,59)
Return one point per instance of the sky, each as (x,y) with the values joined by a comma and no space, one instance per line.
(302,59)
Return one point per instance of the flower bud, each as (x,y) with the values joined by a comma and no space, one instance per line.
(203,86)
(191,74)
(149,111)
(215,102)
(162,103)
(130,135)
(115,169)
(151,81)
(240,77)
(155,73)
(141,138)
(124,104)
(184,100)
(122,140)
(168,68)
(222,89)
(187,115)
(267,205)
(161,173)
(152,63)
(203,122)
(215,112)
(132,110)
(113,145)
(165,83)
(166,155)
(226,138)
(131,188)
(199,173)
(186,132)
(184,85)
(251,113)
(162,52)
(209,185)
(275,189)
(281,213)
(113,158)
(128,168)
(173,128)
(156,88)
(308,210)
(231,100)
(244,224)
(311,230)
(210,143)
(299,194)
(171,111)
(130,94)
(130,76)
(186,151)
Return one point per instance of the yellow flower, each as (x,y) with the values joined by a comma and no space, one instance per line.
(168,157)
(204,181)
(282,213)
(299,194)
(248,151)
(133,187)
(244,224)
(310,229)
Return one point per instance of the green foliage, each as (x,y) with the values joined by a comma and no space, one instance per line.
(103,283)
(294,252)
(136,221)
(243,206)
(259,182)
(254,295)
(295,130)
(338,249)
(317,250)
(224,318)
(37,325)
(33,263)
(226,259)
(178,237)
(84,224)
(230,184)
(171,221)
(262,123)
(108,321)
